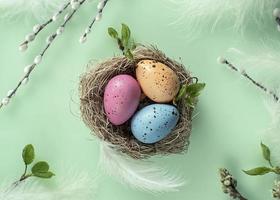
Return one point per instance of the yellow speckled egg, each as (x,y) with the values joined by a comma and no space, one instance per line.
(158,81)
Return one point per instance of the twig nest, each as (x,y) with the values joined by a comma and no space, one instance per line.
(92,87)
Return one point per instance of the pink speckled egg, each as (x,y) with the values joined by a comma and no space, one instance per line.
(121,98)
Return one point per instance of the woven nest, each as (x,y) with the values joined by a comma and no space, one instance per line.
(92,86)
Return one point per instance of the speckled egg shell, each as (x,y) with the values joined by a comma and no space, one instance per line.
(154,122)
(158,82)
(121,98)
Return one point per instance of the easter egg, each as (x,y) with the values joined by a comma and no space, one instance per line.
(160,83)
(154,122)
(121,98)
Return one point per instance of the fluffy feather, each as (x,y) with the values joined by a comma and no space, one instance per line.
(198,14)
(262,61)
(71,186)
(272,136)
(40,9)
(264,64)
(138,174)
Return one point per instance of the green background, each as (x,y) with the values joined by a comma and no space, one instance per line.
(226,133)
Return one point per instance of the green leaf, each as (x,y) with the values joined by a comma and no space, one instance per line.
(47,174)
(121,47)
(112,32)
(182,92)
(195,89)
(28,154)
(258,171)
(265,152)
(190,102)
(125,34)
(40,167)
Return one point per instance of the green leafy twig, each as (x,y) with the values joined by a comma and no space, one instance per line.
(229,185)
(39,169)
(189,93)
(264,169)
(125,43)
(267,169)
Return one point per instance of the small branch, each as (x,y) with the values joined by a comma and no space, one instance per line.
(101,5)
(247,76)
(25,177)
(39,27)
(276,190)
(25,170)
(22,178)
(28,69)
(229,185)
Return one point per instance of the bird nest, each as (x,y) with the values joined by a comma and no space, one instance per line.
(92,86)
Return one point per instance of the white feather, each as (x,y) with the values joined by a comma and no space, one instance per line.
(138,174)
(38,9)
(264,64)
(70,186)
(199,15)
(272,134)
(260,61)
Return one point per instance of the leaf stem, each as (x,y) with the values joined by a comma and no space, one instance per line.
(25,170)
(270,163)
(22,178)
(25,177)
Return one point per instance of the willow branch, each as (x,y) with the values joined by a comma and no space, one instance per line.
(28,69)
(247,76)
(39,27)
(276,190)
(100,7)
(229,185)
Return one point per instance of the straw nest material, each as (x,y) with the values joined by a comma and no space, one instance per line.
(92,87)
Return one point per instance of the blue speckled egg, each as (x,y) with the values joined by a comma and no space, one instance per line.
(154,122)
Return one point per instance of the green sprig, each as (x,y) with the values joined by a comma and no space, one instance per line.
(264,169)
(39,169)
(189,93)
(125,43)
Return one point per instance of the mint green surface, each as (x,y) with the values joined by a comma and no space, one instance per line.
(226,133)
